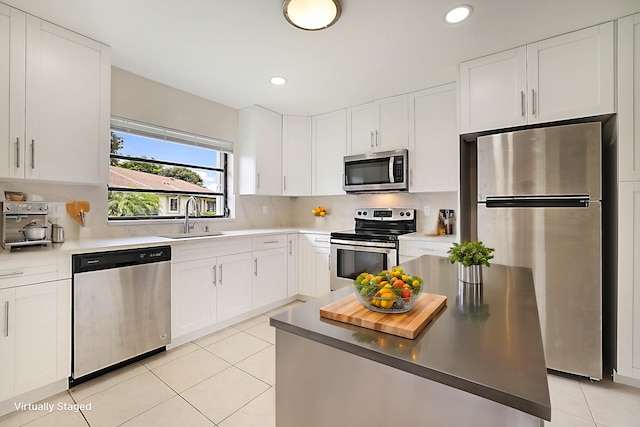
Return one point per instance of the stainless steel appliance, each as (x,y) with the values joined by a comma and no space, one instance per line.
(539,195)
(18,215)
(372,246)
(121,308)
(386,171)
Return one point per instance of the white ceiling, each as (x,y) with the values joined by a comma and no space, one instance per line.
(226,51)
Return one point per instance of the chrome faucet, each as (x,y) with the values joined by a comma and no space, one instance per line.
(188,226)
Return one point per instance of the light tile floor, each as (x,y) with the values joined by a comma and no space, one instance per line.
(227,379)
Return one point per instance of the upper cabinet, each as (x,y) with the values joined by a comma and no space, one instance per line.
(259,151)
(381,125)
(329,142)
(629,98)
(296,156)
(55,100)
(564,77)
(433,140)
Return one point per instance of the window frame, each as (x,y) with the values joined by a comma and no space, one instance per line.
(223,151)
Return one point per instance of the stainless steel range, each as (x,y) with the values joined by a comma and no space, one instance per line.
(24,224)
(372,246)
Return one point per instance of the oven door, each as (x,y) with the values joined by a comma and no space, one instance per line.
(350,258)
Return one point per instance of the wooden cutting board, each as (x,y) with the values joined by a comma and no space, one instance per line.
(407,325)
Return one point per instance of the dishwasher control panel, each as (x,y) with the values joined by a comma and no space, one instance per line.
(115,259)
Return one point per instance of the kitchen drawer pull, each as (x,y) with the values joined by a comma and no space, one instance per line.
(427,249)
(6,318)
(17,152)
(33,154)
(322,240)
(522,103)
(271,241)
(12,274)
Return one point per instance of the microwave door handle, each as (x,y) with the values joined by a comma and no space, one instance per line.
(391,177)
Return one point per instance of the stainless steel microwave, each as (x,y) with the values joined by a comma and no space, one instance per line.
(386,171)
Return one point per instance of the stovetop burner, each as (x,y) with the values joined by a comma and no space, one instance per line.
(379,224)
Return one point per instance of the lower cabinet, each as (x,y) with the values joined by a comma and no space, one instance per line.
(269,276)
(292,264)
(35,343)
(315,272)
(234,285)
(193,295)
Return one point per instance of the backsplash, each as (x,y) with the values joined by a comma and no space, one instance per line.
(252,212)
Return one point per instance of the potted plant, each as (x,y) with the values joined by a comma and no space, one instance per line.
(470,256)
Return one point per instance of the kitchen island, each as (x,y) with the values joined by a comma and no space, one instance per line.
(479,362)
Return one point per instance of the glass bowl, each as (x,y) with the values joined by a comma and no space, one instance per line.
(384,297)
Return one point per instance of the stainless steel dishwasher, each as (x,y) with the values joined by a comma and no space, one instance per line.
(121,308)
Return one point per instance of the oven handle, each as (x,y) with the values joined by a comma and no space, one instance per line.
(357,243)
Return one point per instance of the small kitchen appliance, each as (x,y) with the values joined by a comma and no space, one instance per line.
(373,244)
(24,224)
(386,171)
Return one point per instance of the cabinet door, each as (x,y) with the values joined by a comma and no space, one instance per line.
(629,98)
(433,136)
(322,271)
(571,75)
(268,152)
(7,343)
(193,295)
(68,104)
(269,276)
(292,264)
(12,54)
(42,334)
(392,123)
(329,148)
(234,285)
(361,129)
(628,352)
(493,91)
(296,156)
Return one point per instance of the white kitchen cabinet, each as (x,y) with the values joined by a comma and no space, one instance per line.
(193,295)
(296,156)
(329,141)
(234,290)
(269,276)
(413,248)
(381,125)
(259,151)
(292,264)
(315,273)
(36,338)
(629,98)
(560,78)
(433,140)
(59,102)
(628,351)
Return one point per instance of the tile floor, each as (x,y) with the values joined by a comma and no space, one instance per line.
(227,379)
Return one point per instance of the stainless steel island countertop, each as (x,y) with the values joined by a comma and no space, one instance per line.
(486,341)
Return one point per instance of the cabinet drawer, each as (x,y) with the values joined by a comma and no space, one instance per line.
(269,242)
(318,240)
(23,271)
(207,249)
(416,248)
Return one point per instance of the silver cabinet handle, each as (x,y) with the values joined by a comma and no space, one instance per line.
(215,276)
(522,102)
(533,102)
(290,247)
(258,180)
(270,241)
(322,240)
(284,183)
(371,139)
(17,152)
(377,139)
(6,318)
(220,267)
(33,154)
(13,273)
(329,263)
(255,266)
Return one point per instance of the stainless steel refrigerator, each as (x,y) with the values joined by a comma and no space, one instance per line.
(538,206)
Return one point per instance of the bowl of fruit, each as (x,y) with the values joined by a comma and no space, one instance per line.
(389,291)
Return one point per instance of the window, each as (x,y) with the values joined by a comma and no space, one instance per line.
(153,171)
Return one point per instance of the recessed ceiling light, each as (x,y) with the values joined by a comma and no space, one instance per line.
(458,14)
(278,81)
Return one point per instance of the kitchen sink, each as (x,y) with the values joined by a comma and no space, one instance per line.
(193,235)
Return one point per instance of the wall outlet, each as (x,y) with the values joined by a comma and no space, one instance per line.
(426,210)
(265,210)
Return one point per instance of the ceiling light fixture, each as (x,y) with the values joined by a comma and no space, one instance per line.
(311,15)
(278,81)
(458,14)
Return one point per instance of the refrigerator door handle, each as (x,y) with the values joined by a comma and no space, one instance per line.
(573,201)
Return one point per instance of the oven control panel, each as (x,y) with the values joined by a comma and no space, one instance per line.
(385,214)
